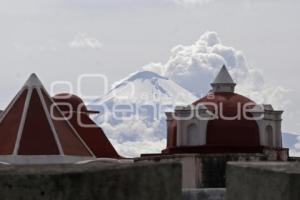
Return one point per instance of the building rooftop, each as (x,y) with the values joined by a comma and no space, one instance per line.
(32,125)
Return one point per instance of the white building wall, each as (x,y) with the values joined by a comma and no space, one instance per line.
(191,127)
(191,139)
(273,119)
(278,134)
(263,124)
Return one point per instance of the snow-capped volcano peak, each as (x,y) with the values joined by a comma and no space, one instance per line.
(139,75)
(145,86)
(143,75)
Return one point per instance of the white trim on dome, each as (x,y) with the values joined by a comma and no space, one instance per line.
(22,122)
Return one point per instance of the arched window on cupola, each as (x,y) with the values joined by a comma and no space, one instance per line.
(269,135)
(193,135)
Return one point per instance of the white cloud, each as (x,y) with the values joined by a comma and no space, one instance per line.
(133,130)
(135,137)
(82,40)
(154,67)
(294,153)
(297,145)
(194,67)
(130,148)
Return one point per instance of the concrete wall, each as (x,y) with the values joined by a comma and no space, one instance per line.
(190,167)
(202,170)
(204,194)
(91,182)
(263,181)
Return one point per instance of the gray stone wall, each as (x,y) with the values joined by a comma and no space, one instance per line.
(204,194)
(202,170)
(94,181)
(263,181)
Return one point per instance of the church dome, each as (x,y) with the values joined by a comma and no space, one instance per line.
(230,126)
(71,103)
(230,132)
(229,102)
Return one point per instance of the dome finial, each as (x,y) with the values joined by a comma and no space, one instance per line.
(223,81)
(223,76)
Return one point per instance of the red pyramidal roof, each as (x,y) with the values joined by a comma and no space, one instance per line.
(27,127)
(92,134)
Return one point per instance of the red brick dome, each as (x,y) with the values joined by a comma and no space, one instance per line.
(227,101)
(238,135)
(237,132)
(71,103)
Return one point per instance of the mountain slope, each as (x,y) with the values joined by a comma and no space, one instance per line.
(133,111)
